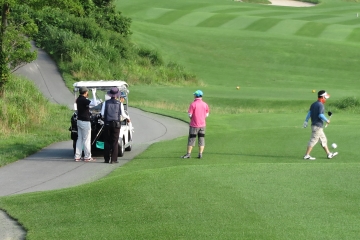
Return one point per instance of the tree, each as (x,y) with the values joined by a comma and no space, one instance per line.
(15,48)
(4,70)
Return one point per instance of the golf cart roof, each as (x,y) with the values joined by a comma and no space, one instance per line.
(101,84)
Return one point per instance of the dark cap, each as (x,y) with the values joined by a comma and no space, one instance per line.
(114,92)
(83,90)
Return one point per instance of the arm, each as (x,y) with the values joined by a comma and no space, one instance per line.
(307,116)
(103,110)
(190,111)
(123,113)
(322,117)
(88,103)
(307,119)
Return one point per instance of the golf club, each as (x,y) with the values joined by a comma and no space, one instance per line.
(330,115)
(100,131)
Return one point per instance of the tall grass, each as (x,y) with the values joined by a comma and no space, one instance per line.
(29,121)
(348,104)
(22,107)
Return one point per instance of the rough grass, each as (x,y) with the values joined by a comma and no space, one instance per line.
(29,121)
(23,107)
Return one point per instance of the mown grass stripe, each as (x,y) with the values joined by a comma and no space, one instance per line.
(169,17)
(192,6)
(355,21)
(311,29)
(217,20)
(287,27)
(336,32)
(155,13)
(236,10)
(263,25)
(216,8)
(256,12)
(316,17)
(193,19)
(341,20)
(350,10)
(273,14)
(240,22)
(354,36)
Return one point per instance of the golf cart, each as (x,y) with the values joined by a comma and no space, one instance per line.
(97,88)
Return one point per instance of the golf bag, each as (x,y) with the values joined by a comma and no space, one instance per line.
(73,128)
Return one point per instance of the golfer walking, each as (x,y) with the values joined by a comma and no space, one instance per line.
(198,112)
(316,113)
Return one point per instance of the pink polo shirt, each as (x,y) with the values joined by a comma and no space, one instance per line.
(198,110)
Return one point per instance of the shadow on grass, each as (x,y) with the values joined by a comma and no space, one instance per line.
(194,156)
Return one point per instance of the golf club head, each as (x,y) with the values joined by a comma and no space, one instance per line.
(329,113)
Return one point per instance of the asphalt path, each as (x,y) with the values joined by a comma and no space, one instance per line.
(54,167)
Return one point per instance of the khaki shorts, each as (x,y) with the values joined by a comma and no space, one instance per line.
(317,135)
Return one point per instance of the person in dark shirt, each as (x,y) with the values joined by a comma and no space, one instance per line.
(84,126)
(112,111)
(316,113)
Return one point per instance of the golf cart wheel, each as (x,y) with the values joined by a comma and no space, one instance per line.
(128,148)
(121,148)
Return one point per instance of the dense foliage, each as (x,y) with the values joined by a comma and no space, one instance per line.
(14,43)
(90,39)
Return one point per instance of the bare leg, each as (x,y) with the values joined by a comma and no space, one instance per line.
(201,149)
(189,149)
(308,150)
(326,150)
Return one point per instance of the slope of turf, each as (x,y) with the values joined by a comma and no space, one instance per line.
(252,182)
(263,49)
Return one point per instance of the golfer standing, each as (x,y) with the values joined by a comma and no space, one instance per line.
(83,126)
(112,111)
(198,112)
(316,113)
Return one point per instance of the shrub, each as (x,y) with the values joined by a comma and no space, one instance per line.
(109,18)
(85,27)
(153,56)
(348,103)
(71,6)
(59,43)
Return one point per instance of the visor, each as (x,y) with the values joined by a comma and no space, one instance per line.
(326,95)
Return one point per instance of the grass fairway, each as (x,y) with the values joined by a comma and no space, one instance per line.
(252,182)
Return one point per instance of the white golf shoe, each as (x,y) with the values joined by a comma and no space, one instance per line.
(308,157)
(331,155)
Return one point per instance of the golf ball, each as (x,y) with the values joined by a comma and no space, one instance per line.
(334,145)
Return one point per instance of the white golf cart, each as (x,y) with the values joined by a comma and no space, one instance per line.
(97,88)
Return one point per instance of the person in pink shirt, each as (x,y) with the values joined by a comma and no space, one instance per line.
(198,112)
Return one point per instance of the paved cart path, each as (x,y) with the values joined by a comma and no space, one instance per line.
(53,167)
